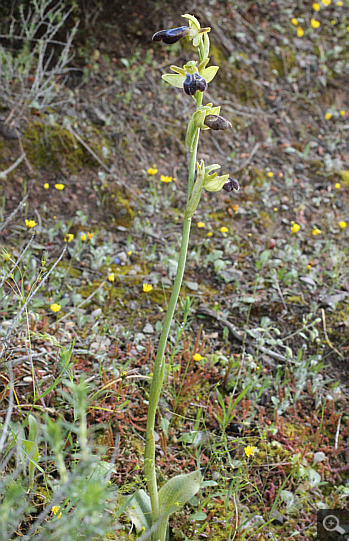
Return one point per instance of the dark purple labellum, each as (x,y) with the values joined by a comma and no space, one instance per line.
(201,84)
(231,184)
(189,85)
(216,122)
(171,36)
(194,82)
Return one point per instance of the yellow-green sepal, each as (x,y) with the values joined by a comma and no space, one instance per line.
(209,73)
(178,70)
(174,79)
(213,183)
(195,23)
(197,32)
(205,46)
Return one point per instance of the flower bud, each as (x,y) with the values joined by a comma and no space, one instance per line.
(216,122)
(171,36)
(231,184)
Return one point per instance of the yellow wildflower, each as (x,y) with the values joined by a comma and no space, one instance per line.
(55,307)
(295,228)
(55,510)
(90,236)
(200,224)
(124,374)
(275,209)
(46,185)
(316,6)
(328,116)
(83,237)
(209,234)
(7,257)
(300,32)
(164,178)
(309,266)
(55,217)
(316,231)
(249,450)
(339,4)
(30,223)
(152,171)
(69,237)
(59,187)
(235,207)
(224,229)
(333,21)
(111,277)
(342,112)
(314,23)
(270,174)
(337,185)
(294,21)
(147,288)
(129,253)
(326,2)
(342,225)
(197,357)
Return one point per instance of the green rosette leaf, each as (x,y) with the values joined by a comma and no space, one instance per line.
(138,507)
(177,491)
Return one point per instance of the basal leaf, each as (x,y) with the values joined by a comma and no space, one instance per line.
(138,509)
(177,491)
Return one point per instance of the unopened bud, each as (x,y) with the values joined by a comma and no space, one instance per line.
(231,184)
(171,36)
(216,122)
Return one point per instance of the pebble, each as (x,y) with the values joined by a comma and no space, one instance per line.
(148,329)
(319,457)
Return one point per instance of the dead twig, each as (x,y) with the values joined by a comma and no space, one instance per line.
(89,149)
(21,204)
(326,335)
(237,335)
(13,166)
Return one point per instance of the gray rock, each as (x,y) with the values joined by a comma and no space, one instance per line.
(148,329)
(9,132)
(319,457)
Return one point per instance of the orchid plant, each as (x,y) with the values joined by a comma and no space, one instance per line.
(150,513)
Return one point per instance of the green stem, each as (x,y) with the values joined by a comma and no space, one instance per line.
(159,366)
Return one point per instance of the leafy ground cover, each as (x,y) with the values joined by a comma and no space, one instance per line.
(258,363)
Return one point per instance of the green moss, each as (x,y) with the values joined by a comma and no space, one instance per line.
(66,265)
(286,61)
(56,147)
(241,83)
(257,176)
(217,56)
(264,219)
